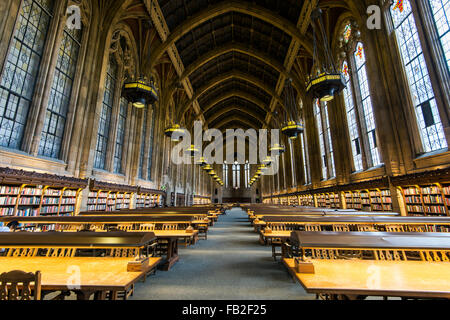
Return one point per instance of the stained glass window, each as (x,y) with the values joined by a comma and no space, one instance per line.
(120,136)
(105,116)
(17,82)
(431,130)
(59,100)
(144,138)
(366,103)
(352,119)
(347,32)
(441,15)
(318,114)
(150,151)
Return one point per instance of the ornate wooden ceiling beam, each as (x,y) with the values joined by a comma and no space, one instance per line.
(223,123)
(254,115)
(226,7)
(227,76)
(235,47)
(236,93)
(302,27)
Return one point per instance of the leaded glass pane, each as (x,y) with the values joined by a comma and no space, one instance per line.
(323,155)
(305,158)
(150,151)
(441,15)
(60,94)
(366,102)
(105,116)
(352,119)
(330,155)
(427,114)
(144,136)
(225,175)
(17,81)
(120,136)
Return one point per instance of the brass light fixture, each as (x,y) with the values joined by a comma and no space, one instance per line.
(192,151)
(176,128)
(293,125)
(277,149)
(140,93)
(325,80)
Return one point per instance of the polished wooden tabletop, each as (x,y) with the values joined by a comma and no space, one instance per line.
(376,278)
(174,233)
(277,234)
(94,273)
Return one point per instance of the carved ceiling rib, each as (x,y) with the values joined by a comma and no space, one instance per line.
(302,26)
(232,75)
(236,93)
(232,6)
(251,113)
(163,30)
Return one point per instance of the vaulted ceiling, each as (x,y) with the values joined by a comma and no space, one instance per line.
(233,57)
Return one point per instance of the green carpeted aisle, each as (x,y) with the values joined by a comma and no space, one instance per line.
(231,265)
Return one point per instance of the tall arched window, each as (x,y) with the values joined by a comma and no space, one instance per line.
(441,15)
(325,141)
(225,174)
(143,137)
(247,174)
(424,102)
(17,81)
(150,151)
(352,119)
(60,94)
(366,103)
(120,136)
(236,175)
(306,170)
(105,115)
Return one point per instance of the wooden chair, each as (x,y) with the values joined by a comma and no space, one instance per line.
(170,227)
(341,228)
(395,228)
(16,285)
(125,227)
(366,228)
(147,227)
(313,227)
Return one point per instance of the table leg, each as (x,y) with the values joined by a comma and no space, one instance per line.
(172,254)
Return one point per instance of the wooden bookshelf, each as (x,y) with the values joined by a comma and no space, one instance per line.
(306,200)
(322,200)
(31,194)
(335,202)
(426,199)
(293,201)
(104,196)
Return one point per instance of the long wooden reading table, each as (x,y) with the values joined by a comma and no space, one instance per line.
(58,256)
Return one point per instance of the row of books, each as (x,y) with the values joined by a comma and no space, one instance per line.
(11,190)
(8,201)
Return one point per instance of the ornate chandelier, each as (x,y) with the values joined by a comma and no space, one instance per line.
(325,80)
(293,125)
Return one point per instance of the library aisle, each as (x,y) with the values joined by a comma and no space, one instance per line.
(230,265)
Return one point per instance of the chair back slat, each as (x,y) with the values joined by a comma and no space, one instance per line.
(16,285)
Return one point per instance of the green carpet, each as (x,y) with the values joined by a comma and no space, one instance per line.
(230,265)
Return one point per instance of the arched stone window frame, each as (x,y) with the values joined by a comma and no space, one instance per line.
(434,60)
(345,52)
